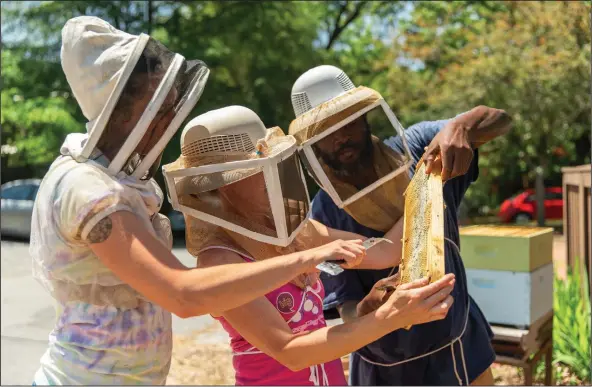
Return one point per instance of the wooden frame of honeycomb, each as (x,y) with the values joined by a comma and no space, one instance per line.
(423,228)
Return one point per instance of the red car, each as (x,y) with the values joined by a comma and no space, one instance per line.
(523,208)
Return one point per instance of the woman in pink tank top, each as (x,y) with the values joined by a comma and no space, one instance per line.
(282,338)
(302,310)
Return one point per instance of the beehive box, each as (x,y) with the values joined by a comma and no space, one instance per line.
(512,297)
(508,248)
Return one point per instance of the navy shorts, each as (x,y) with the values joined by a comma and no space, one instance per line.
(438,369)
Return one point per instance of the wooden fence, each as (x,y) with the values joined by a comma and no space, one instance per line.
(576,217)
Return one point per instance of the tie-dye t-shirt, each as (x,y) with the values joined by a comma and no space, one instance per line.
(105,332)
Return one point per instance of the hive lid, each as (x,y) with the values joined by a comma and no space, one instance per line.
(504,231)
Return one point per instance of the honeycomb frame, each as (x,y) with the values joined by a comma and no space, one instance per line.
(423,228)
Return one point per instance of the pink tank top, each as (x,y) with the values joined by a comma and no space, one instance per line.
(302,309)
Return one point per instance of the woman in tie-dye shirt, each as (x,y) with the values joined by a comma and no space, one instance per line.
(98,244)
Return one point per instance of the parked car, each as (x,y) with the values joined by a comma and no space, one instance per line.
(18,197)
(522,207)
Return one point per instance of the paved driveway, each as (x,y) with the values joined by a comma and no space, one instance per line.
(28,314)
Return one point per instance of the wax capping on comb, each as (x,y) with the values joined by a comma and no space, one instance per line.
(423,229)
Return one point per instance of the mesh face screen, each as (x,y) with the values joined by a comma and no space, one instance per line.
(293,192)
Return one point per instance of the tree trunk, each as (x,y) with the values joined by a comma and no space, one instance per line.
(540,195)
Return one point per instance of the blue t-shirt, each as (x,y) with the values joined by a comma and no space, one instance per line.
(354,285)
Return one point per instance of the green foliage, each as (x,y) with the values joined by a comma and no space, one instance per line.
(34,123)
(247,48)
(431,60)
(530,58)
(571,324)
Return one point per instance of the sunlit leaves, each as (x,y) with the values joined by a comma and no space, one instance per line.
(529,58)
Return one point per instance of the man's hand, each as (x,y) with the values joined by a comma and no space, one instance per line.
(380,292)
(451,150)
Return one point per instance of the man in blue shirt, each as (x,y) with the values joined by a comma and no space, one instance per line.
(457,349)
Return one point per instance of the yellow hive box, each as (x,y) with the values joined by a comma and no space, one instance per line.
(506,248)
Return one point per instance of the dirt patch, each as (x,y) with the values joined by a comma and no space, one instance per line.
(199,362)
(505,375)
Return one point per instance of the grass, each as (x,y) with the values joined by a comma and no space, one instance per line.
(571,324)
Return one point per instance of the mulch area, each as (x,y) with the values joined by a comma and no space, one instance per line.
(199,362)
(506,375)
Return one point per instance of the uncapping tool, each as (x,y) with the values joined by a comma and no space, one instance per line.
(332,266)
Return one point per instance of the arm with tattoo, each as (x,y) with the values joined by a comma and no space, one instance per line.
(101,231)
(126,246)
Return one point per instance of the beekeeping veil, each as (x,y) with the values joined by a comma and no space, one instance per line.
(328,107)
(236,178)
(134,92)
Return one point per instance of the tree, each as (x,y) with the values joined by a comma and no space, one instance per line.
(255,52)
(38,108)
(430,60)
(34,125)
(529,58)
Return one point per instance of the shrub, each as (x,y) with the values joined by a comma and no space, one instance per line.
(571,325)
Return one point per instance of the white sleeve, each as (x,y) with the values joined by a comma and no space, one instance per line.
(84,197)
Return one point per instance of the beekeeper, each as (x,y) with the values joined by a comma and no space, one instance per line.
(340,129)
(243,193)
(99,246)
(241,184)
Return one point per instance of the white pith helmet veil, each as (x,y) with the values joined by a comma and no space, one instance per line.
(236,174)
(330,114)
(134,92)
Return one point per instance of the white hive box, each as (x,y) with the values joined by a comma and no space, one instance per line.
(512,298)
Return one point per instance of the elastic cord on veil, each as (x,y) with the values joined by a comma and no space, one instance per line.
(451,344)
